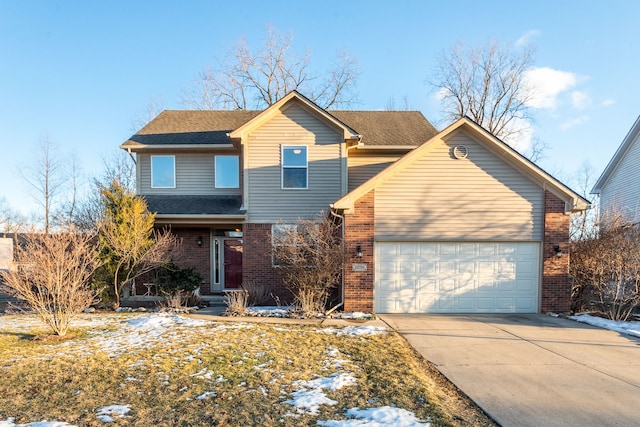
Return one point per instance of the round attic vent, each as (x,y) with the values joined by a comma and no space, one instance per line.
(460,152)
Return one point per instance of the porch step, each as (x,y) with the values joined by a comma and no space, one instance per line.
(214,300)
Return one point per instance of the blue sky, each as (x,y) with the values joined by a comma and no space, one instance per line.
(81,71)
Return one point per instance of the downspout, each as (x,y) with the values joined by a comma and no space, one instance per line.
(131,155)
(343,263)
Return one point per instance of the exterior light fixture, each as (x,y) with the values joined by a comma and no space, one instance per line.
(558,251)
(359,251)
(199,240)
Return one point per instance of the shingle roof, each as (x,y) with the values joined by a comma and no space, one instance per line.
(183,127)
(388,127)
(194,205)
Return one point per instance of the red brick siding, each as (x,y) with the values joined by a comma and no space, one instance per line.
(256,262)
(197,257)
(556,281)
(189,255)
(359,231)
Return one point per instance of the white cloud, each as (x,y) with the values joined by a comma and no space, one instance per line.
(521,139)
(547,84)
(526,38)
(580,99)
(608,102)
(574,122)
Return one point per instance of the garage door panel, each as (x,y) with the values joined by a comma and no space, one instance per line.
(450,277)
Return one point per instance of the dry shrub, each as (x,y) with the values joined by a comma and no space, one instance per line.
(606,268)
(236,302)
(309,257)
(51,275)
(257,293)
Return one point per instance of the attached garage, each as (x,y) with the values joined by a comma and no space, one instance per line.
(461,224)
(456,277)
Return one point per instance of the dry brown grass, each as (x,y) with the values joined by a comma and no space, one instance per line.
(252,369)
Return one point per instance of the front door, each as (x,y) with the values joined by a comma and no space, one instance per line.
(226,263)
(232,264)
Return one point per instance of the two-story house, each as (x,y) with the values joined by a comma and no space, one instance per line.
(450,221)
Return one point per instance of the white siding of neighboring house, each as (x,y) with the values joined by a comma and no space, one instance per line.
(364,166)
(6,253)
(194,175)
(442,198)
(621,193)
(268,202)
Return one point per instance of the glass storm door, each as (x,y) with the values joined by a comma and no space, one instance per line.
(226,263)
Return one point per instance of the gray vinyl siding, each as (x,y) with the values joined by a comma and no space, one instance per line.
(478,198)
(194,175)
(621,193)
(362,167)
(268,202)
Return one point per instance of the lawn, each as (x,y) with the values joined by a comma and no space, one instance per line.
(163,369)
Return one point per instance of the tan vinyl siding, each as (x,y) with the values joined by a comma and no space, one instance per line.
(442,198)
(362,167)
(295,126)
(621,193)
(194,175)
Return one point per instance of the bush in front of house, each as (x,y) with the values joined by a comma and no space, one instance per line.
(606,270)
(177,285)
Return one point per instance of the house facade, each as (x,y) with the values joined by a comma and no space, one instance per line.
(451,221)
(619,184)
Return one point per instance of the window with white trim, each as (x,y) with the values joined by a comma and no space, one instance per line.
(163,172)
(294,167)
(227,172)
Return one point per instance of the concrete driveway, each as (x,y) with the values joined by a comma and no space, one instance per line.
(532,370)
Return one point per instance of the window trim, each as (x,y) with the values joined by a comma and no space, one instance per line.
(174,170)
(215,170)
(283,166)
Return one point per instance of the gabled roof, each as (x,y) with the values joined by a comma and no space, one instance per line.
(187,127)
(204,128)
(574,201)
(294,96)
(617,157)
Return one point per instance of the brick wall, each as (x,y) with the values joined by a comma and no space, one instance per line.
(256,262)
(556,281)
(194,256)
(359,231)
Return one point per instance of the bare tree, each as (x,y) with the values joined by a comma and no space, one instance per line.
(584,224)
(46,178)
(11,221)
(309,256)
(606,269)
(51,275)
(487,84)
(118,166)
(247,78)
(152,109)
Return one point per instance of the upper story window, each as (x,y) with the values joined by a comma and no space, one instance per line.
(294,167)
(163,172)
(227,170)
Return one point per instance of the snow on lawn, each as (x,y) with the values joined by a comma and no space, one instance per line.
(377,417)
(118,333)
(629,328)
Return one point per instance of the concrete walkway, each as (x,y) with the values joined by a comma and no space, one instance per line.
(532,370)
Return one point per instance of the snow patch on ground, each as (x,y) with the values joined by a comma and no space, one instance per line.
(107,414)
(377,417)
(310,395)
(355,330)
(9,422)
(629,328)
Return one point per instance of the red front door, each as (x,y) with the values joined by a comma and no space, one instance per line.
(232,264)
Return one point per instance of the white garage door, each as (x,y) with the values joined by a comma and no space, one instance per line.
(449,277)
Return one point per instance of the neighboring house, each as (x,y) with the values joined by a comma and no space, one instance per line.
(619,184)
(452,222)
